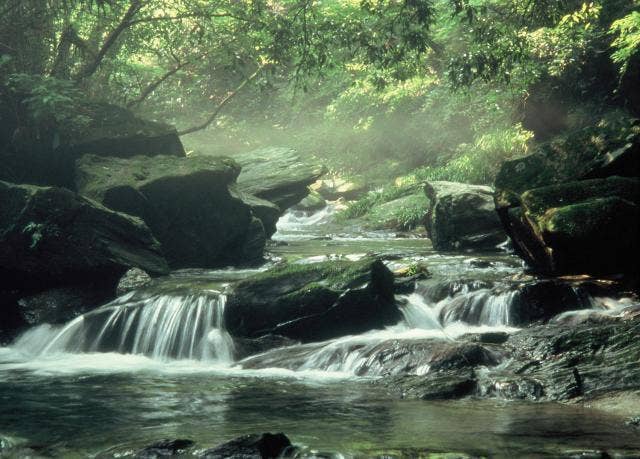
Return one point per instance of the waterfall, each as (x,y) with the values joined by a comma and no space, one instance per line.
(160,326)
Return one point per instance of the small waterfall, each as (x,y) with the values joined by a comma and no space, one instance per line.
(160,326)
(297,222)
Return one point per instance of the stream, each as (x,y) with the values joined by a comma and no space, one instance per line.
(157,363)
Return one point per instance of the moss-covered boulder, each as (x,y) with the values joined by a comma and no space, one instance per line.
(44,154)
(610,148)
(186,202)
(312,203)
(277,175)
(267,212)
(462,217)
(588,226)
(313,302)
(402,214)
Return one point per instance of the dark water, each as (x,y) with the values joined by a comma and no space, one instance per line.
(110,405)
(87,414)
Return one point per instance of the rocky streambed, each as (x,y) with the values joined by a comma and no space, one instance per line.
(384,348)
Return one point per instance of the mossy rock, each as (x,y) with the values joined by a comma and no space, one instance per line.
(462,217)
(311,203)
(588,226)
(610,148)
(187,203)
(402,214)
(313,302)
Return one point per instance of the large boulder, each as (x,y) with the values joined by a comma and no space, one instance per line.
(313,302)
(462,217)
(588,226)
(187,203)
(277,175)
(52,236)
(44,153)
(611,148)
(404,213)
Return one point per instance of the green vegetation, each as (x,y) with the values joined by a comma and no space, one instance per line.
(379,89)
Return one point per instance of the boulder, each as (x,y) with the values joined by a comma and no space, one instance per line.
(43,154)
(462,217)
(402,214)
(313,302)
(264,446)
(51,237)
(187,203)
(277,175)
(267,212)
(610,148)
(335,188)
(312,203)
(133,279)
(580,227)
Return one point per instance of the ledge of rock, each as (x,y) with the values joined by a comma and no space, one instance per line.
(186,202)
(313,302)
(42,155)
(462,217)
(277,174)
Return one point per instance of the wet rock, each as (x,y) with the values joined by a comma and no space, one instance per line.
(488,337)
(254,446)
(590,226)
(597,151)
(508,386)
(633,421)
(462,217)
(133,279)
(444,385)
(50,237)
(312,203)
(246,347)
(277,175)
(164,448)
(186,202)
(314,301)
(585,360)
(266,211)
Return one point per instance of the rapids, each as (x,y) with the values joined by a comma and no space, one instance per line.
(158,363)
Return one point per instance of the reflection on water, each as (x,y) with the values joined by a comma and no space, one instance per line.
(86,413)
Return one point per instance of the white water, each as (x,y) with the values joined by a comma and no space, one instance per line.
(161,327)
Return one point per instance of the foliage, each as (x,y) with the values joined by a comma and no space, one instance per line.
(627,41)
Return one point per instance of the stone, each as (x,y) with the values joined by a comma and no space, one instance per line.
(313,302)
(312,203)
(276,174)
(336,188)
(164,448)
(51,237)
(580,227)
(188,203)
(462,217)
(264,446)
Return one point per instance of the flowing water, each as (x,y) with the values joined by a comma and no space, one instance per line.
(158,363)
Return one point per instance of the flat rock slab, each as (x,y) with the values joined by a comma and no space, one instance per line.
(277,174)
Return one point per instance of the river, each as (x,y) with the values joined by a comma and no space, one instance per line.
(66,394)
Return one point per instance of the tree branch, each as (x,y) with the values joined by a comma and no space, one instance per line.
(124,24)
(154,85)
(222,104)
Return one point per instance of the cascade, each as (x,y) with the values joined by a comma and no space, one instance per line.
(159,326)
